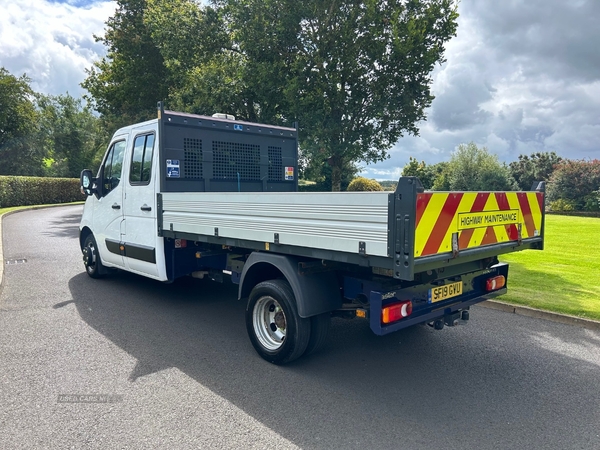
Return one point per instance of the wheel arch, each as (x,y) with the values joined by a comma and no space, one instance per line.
(84,233)
(315,293)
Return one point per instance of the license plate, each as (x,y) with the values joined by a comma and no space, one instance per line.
(437,294)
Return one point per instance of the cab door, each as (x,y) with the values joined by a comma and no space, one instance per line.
(141,237)
(108,207)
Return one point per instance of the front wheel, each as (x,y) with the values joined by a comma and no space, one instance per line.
(276,331)
(91,258)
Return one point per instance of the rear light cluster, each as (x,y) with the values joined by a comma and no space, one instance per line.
(396,311)
(495,283)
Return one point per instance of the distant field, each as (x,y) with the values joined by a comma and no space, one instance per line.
(565,276)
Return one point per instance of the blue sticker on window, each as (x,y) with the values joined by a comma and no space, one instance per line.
(238,127)
(172,168)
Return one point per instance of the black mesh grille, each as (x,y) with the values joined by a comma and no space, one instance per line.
(275,164)
(231,159)
(192,152)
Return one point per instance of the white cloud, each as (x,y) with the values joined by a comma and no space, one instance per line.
(52,42)
(520,77)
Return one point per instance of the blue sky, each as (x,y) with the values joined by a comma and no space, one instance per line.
(521,76)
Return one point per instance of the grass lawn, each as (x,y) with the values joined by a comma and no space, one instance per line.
(12,208)
(565,276)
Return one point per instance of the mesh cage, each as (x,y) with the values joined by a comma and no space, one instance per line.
(192,153)
(231,159)
(275,164)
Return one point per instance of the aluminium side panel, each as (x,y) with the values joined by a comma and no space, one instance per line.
(352,222)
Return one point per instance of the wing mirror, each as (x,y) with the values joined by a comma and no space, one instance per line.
(86,181)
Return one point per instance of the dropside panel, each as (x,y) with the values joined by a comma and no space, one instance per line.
(344,222)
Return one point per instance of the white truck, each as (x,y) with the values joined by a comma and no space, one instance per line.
(185,194)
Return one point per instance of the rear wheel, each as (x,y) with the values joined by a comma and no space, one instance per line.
(276,331)
(91,258)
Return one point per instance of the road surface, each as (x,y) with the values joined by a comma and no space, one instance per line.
(127,362)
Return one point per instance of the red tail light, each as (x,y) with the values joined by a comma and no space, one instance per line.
(396,311)
(495,283)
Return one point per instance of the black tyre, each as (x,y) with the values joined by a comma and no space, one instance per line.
(91,258)
(276,331)
(319,330)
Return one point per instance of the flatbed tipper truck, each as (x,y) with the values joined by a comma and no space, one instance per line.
(205,196)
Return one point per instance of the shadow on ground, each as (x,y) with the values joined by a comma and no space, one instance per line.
(419,387)
(67,226)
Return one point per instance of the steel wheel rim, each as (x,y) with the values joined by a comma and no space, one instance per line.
(269,322)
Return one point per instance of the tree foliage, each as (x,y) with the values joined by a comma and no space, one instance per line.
(474,169)
(126,84)
(356,75)
(202,77)
(363,74)
(73,137)
(577,182)
(20,152)
(320,172)
(536,167)
(43,135)
(425,173)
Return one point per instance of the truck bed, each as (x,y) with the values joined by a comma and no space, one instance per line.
(402,232)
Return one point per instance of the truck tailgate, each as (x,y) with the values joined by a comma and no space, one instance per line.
(475,219)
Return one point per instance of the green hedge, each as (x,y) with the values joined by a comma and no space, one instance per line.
(364,184)
(23,191)
(310,188)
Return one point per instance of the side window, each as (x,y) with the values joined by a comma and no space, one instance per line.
(111,174)
(141,160)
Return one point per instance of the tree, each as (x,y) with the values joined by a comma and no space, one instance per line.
(536,167)
(126,84)
(320,171)
(20,151)
(206,73)
(420,170)
(355,74)
(474,169)
(577,182)
(73,137)
(208,68)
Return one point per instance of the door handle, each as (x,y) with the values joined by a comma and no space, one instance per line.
(145,208)
(115,206)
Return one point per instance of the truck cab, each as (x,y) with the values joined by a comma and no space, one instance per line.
(122,210)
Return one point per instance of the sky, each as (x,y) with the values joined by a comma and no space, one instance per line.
(521,76)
